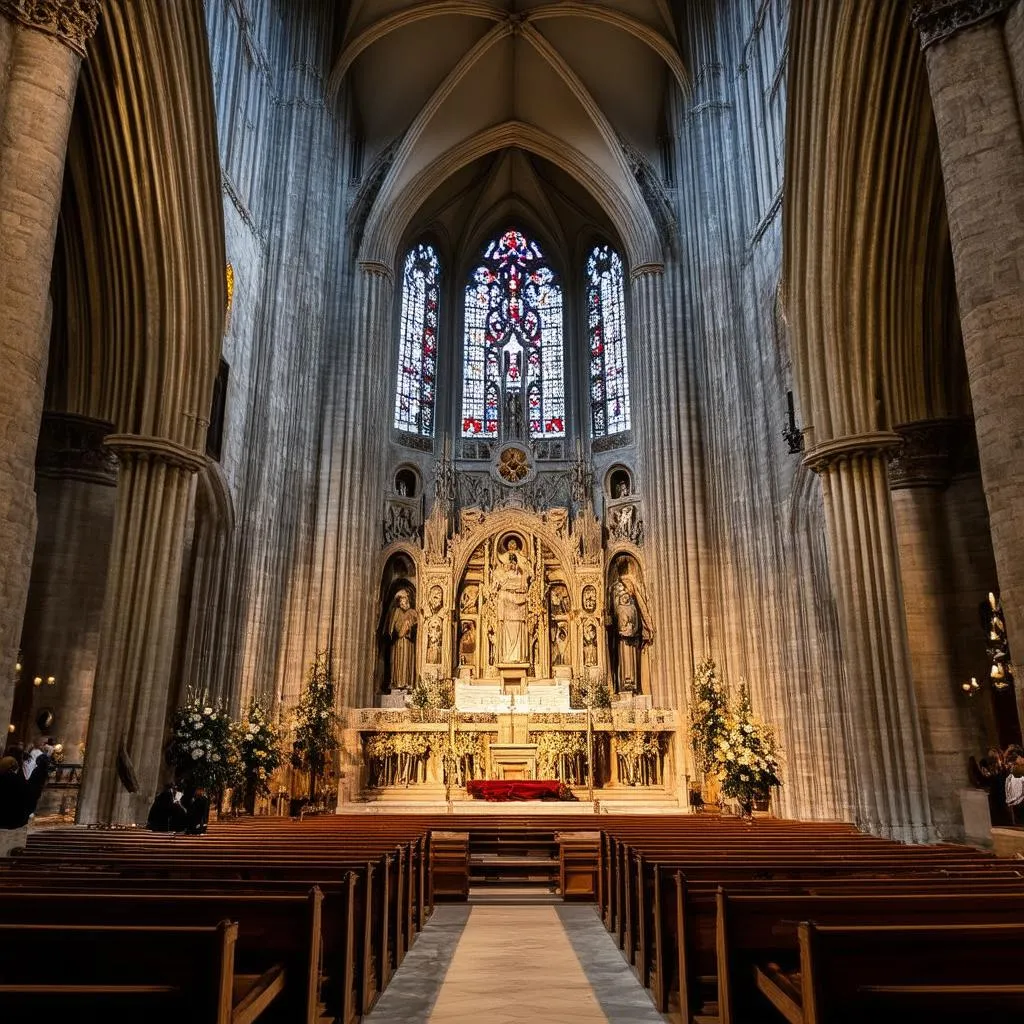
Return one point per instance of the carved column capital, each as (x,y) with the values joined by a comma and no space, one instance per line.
(824,456)
(644,269)
(927,457)
(73,22)
(377,268)
(138,446)
(938,20)
(71,448)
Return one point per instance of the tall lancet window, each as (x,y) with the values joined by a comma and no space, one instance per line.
(513,378)
(606,326)
(417,345)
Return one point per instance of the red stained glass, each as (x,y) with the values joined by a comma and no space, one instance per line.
(606,324)
(513,307)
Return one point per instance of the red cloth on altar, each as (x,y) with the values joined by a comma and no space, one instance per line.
(526,789)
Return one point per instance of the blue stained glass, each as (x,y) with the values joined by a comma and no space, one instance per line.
(606,328)
(513,339)
(417,344)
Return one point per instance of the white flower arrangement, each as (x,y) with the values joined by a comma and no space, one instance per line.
(202,749)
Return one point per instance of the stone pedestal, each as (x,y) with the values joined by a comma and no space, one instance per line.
(977,817)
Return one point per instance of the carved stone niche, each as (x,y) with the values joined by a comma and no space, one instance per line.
(403,519)
(622,518)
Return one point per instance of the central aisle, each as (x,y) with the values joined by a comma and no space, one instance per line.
(512,965)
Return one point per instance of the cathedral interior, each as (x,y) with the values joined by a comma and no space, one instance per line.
(516,357)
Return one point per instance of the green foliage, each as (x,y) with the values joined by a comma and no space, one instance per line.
(317,724)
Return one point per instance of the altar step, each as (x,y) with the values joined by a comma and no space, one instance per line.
(511,895)
(526,860)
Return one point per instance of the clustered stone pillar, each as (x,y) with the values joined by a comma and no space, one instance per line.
(663,416)
(131,696)
(360,435)
(41,48)
(884,740)
(75,479)
(920,475)
(978,115)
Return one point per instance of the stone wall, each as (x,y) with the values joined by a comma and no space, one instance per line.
(769,612)
(283,152)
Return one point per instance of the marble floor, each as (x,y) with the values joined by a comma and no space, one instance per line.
(513,965)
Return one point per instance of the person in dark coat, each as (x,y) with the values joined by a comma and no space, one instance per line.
(198,813)
(167,813)
(13,791)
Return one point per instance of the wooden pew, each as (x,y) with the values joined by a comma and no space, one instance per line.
(686,959)
(895,973)
(123,973)
(285,931)
(753,930)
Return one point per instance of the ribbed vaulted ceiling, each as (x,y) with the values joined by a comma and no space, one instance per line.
(572,86)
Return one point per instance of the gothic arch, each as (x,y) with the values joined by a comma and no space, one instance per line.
(396,204)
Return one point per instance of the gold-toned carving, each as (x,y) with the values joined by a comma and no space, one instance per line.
(73,22)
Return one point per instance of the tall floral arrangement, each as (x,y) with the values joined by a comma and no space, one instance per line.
(316,721)
(747,755)
(709,708)
(203,751)
(259,750)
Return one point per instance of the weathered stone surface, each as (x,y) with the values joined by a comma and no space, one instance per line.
(37,88)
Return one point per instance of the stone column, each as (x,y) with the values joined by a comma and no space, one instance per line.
(360,433)
(884,737)
(919,475)
(132,693)
(75,479)
(982,150)
(663,413)
(41,48)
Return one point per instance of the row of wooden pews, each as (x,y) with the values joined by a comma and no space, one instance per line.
(309,919)
(738,922)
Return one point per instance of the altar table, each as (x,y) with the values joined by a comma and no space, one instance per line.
(521,789)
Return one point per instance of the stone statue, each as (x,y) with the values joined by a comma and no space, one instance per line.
(590,644)
(559,645)
(467,643)
(589,598)
(434,632)
(467,602)
(401,633)
(435,599)
(559,600)
(632,631)
(512,586)
(622,489)
(514,415)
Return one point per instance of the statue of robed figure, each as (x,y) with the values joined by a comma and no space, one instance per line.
(512,587)
(400,631)
(631,629)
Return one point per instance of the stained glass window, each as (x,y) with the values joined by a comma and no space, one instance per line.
(417,345)
(513,342)
(606,328)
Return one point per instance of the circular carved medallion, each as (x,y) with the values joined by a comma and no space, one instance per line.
(512,464)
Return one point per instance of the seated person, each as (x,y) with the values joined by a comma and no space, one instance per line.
(167,813)
(198,813)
